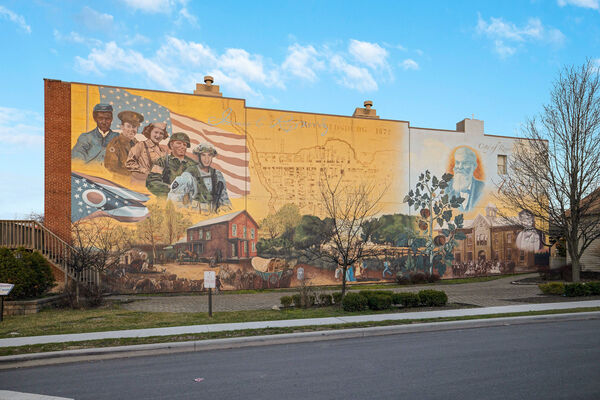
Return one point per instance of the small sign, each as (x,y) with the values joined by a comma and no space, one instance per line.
(210,279)
(5,288)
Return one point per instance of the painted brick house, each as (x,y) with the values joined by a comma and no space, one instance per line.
(227,237)
(491,238)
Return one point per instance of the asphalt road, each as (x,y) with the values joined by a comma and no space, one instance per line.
(555,360)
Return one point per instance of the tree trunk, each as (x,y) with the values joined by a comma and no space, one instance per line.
(575,269)
(575,266)
(344,269)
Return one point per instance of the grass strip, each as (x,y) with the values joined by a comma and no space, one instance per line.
(114,318)
(7,351)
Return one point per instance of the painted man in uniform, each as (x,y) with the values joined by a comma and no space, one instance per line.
(169,167)
(118,148)
(144,154)
(201,185)
(91,146)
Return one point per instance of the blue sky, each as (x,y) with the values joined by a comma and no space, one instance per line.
(432,63)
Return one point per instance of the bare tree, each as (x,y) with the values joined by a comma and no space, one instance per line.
(554,171)
(97,246)
(347,210)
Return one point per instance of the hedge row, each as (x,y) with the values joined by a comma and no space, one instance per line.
(383,300)
(370,299)
(571,289)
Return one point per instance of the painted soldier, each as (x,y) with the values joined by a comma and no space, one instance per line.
(144,154)
(169,167)
(118,148)
(202,185)
(91,146)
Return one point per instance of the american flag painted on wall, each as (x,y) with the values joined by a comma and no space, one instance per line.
(93,197)
(122,100)
(232,153)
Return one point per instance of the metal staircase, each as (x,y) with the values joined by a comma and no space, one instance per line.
(34,236)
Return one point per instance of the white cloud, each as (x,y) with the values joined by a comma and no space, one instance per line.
(503,50)
(235,84)
(95,20)
(352,76)
(150,6)
(303,62)
(75,37)
(593,4)
(507,36)
(241,63)
(16,18)
(136,39)
(409,63)
(21,127)
(370,54)
(195,54)
(113,57)
(185,17)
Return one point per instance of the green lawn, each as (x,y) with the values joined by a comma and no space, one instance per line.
(113,317)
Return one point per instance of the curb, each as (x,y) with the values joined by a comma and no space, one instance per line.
(70,356)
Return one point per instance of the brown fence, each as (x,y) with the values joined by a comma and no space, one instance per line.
(36,237)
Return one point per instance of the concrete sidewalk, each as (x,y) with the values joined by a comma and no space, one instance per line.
(181,330)
(497,292)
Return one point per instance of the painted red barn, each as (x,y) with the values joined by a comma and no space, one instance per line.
(227,237)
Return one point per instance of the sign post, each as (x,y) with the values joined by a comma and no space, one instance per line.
(5,289)
(210,282)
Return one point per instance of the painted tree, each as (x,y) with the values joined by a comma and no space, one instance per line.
(281,222)
(174,223)
(150,229)
(436,213)
(554,170)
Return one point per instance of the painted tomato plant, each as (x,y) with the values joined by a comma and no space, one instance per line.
(438,226)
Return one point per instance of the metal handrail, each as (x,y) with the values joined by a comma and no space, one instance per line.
(33,235)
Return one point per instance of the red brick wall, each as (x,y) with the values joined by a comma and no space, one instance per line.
(57,153)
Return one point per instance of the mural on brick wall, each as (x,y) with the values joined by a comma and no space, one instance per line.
(198,183)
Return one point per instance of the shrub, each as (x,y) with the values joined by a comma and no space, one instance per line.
(593,288)
(28,271)
(418,277)
(380,302)
(310,301)
(286,301)
(297,300)
(432,278)
(402,279)
(433,298)
(337,297)
(354,302)
(406,299)
(325,299)
(369,293)
(557,288)
(576,290)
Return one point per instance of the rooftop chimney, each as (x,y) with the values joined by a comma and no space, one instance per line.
(470,126)
(207,88)
(366,112)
